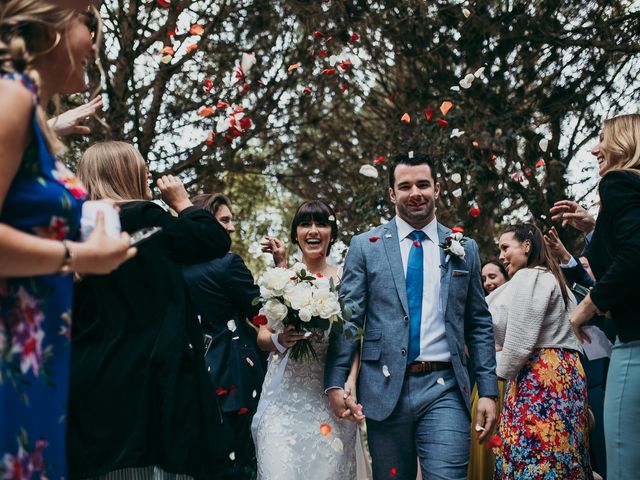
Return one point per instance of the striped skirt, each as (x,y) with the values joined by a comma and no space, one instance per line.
(543,424)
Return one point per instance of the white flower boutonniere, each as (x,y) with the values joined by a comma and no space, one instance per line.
(453,245)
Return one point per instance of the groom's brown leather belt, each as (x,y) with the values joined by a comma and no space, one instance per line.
(416,368)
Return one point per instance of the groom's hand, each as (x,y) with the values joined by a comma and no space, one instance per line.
(337,400)
(485,418)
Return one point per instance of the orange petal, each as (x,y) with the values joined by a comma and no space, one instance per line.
(206,112)
(168,50)
(192,47)
(196,30)
(325,429)
(293,67)
(406,118)
(446,106)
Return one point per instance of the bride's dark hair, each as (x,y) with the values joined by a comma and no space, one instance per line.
(319,212)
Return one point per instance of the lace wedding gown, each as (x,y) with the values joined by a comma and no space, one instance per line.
(287,428)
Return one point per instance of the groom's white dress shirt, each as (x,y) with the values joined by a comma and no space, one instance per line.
(433,339)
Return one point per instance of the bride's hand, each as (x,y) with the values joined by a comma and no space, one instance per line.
(351,401)
(289,337)
(276,248)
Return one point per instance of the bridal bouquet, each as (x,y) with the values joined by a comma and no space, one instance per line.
(295,297)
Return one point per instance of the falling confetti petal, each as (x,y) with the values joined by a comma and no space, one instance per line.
(232,456)
(345,65)
(455,133)
(329,71)
(307,334)
(368,171)
(243,410)
(208,85)
(440,381)
(385,371)
(474,212)
(168,50)
(249,361)
(494,441)
(248,60)
(410,154)
(467,81)
(540,163)
(374,239)
(254,394)
(221,391)
(456,178)
(457,229)
(166,59)
(196,30)
(544,144)
(466,12)
(306,91)
(457,192)
(393,472)
(259,319)
(378,160)
(354,37)
(325,429)
(480,428)
(446,106)
(317,34)
(428,114)
(293,67)
(442,122)
(455,88)
(337,445)
(192,47)
(344,87)
(406,118)
(163,3)
(478,72)
(211,138)
(206,112)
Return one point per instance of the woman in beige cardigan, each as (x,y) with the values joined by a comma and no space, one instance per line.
(543,425)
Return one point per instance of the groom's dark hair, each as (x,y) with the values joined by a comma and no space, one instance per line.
(414,160)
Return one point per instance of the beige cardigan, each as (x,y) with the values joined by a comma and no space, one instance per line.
(529,313)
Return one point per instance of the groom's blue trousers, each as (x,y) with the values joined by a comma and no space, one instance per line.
(430,421)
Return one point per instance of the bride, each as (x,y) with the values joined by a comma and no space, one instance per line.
(295,432)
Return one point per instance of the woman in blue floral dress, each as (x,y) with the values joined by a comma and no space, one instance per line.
(40,203)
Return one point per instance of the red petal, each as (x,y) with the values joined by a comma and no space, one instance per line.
(245,87)
(540,163)
(474,212)
(192,47)
(232,389)
(428,114)
(196,30)
(378,160)
(354,37)
(329,71)
(323,53)
(245,123)
(374,239)
(345,65)
(210,139)
(457,230)
(163,3)
(259,319)
(393,472)
(306,90)
(344,87)
(206,112)
(222,104)
(494,442)
(416,243)
(243,410)
(317,34)
(221,391)
(171,32)
(208,85)
(442,122)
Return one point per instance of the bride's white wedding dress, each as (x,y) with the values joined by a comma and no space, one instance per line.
(287,428)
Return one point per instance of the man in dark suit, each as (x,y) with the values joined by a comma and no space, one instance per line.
(222,292)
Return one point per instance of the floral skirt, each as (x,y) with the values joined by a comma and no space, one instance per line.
(543,424)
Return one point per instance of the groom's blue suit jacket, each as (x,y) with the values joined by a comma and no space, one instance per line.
(374,280)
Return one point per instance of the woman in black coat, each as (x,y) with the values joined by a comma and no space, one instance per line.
(141,404)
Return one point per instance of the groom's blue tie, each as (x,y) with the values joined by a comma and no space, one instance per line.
(415,268)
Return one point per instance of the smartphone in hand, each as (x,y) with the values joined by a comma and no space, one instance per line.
(143,235)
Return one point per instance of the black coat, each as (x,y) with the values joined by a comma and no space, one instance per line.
(614,252)
(139,390)
(223,290)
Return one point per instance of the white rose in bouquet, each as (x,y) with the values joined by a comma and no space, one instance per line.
(305,314)
(299,295)
(275,281)
(326,303)
(298,267)
(456,249)
(322,284)
(275,312)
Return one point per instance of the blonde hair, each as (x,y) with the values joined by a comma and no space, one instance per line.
(114,170)
(621,139)
(30,29)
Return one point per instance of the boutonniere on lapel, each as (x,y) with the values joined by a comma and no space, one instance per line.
(453,245)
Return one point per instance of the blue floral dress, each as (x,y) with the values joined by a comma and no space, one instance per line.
(44,199)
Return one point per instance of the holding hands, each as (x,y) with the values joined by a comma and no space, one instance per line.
(344,405)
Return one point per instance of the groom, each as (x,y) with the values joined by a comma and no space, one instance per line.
(419,306)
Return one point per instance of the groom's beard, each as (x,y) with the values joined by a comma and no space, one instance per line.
(418,216)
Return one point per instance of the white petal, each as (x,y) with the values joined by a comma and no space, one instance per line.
(385,371)
(369,171)
(466,12)
(465,84)
(248,61)
(232,456)
(479,72)
(411,154)
(455,88)
(440,381)
(254,394)
(337,445)
(456,178)
(457,192)
(231,325)
(249,361)
(544,144)
(455,133)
